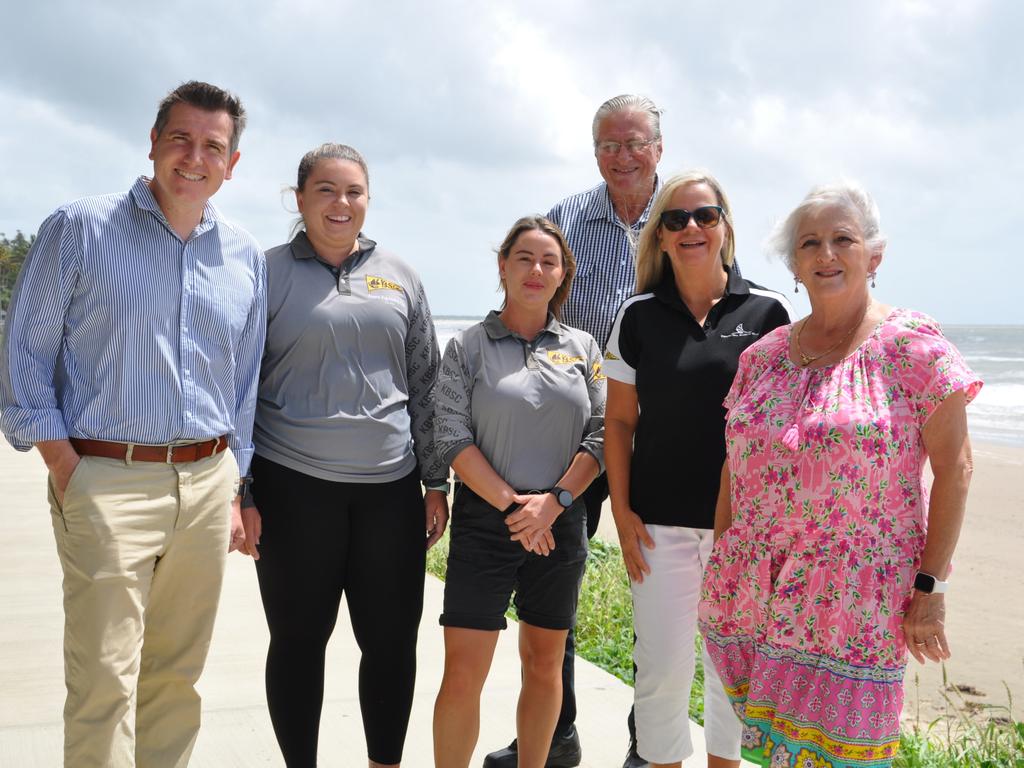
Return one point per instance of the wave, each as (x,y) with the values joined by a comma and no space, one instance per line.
(1001,396)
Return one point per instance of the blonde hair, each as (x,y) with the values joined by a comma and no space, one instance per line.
(650,259)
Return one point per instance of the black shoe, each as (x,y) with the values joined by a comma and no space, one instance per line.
(633,760)
(565,752)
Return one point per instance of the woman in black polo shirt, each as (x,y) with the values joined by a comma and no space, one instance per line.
(519,415)
(672,355)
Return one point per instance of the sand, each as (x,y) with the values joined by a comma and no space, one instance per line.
(985,604)
(985,626)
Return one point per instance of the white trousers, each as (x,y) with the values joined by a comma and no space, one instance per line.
(665,621)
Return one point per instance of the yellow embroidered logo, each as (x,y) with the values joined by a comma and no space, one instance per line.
(560,358)
(609,356)
(595,370)
(379,284)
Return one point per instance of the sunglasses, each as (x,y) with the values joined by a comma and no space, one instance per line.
(706,216)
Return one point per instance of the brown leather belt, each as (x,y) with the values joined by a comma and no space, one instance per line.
(166,454)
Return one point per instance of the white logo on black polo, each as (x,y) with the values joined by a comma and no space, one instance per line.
(740,331)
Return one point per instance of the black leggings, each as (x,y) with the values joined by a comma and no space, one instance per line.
(322,538)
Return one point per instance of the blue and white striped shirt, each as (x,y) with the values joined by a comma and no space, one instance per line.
(605,251)
(121,331)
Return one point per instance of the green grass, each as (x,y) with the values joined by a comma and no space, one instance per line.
(967,736)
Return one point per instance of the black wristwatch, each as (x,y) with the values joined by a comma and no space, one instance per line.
(243,486)
(562,496)
(928,584)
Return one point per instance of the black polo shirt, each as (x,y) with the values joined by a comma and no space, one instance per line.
(682,372)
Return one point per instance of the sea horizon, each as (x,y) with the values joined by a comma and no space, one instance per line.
(995,351)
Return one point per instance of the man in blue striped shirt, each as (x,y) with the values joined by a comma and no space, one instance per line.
(602,226)
(130,361)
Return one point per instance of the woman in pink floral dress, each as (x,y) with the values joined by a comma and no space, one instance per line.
(831,561)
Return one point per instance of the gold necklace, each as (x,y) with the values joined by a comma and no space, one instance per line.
(806,359)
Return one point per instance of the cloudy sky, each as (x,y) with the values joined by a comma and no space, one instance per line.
(474,113)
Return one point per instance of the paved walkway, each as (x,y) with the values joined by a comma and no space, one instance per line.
(236,728)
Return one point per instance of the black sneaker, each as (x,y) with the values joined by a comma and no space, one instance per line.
(565,752)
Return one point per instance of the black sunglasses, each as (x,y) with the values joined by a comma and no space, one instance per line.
(706,216)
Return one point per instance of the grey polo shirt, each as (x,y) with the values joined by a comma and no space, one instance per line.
(346,385)
(530,406)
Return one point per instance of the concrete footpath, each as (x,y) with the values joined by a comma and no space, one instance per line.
(236,727)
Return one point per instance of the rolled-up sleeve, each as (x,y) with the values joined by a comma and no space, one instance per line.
(597,387)
(453,419)
(34,335)
(248,354)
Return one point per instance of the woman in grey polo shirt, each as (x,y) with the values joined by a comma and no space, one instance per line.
(520,417)
(343,432)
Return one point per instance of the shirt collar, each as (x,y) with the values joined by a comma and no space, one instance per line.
(496,328)
(144,199)
(303,249)
(735,283)
(600,206)
(666,292)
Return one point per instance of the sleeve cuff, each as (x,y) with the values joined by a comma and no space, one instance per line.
(244,458)
(449,453)
(24,428)
(597,454)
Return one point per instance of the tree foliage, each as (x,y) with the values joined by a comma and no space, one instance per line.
(12,255)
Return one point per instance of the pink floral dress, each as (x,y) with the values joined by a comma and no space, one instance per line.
(804,595)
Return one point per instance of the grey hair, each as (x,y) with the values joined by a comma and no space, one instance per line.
(847,195)
(326,151)
(629,102)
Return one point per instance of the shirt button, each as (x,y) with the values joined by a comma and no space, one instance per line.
(188,414)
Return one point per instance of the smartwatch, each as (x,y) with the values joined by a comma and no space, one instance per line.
(928,584)
(562,496)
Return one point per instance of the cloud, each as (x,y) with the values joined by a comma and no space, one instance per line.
(473,113)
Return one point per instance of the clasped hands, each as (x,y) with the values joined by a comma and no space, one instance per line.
(530,525)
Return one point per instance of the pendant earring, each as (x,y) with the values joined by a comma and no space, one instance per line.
(872,276)
(796,284)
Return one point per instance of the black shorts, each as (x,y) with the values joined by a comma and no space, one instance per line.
(485,566)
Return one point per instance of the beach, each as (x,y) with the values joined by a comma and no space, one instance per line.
(984,606)
(985,626)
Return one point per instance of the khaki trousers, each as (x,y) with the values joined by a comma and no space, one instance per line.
(143,547)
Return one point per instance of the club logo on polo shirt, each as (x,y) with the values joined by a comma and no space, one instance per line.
(374,283)
(740,331)
(560,358)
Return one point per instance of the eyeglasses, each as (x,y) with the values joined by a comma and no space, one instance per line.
(705,217)
(614,147)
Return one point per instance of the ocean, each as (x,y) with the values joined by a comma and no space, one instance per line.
(995,352)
